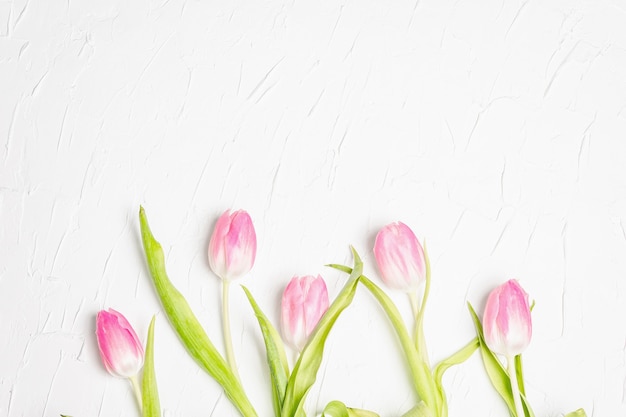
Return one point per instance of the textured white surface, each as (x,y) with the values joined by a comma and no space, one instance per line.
(495,129)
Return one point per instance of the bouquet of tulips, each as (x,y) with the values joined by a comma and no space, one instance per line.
(307,317)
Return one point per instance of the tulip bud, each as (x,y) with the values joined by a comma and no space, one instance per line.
(120,348)
(304,302)
(506,322)
(400,257)
(232,247)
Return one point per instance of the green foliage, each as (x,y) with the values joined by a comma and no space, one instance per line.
(423,379)
(305,371)
(186,325)
(275,353)
(149,392)
(455,359)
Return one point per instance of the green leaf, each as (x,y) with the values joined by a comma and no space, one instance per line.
(335,409)
(341,268)
(578,413)
(497,374)
(420,339)
(149,392)
(519,372)
(423,380)
(186,325)
(455,359)
(275,352)
(339,409)
(305,371)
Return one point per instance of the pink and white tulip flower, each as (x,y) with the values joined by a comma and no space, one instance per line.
(304,302)
(400,257)
(121,351)
(232,248)
(506,323)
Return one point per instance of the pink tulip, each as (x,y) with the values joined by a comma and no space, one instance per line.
(506,322)
(304,302)
(400,257)
(120,348)
(232,247)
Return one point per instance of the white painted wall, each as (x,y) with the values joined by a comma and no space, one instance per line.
(495,129)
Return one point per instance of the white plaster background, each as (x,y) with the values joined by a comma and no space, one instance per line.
(495,129)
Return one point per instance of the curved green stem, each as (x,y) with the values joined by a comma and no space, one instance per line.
(418,331)
(228,340)
(414,304)
(419,317)
(519,409)
(137,391)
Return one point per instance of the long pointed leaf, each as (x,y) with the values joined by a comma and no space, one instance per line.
(519,372)
(423,380)
(420,339)
(455,359)
(186,325)
(149,391)
(305,371)
(275,352)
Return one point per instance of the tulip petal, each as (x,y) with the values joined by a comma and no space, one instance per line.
(120,348)
(400,257)
(507,322)
(304,302)
(232,247)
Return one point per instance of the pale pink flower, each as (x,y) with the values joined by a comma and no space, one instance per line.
(506,323)
(232,248)
(304,302)
(120,348)
(400,257)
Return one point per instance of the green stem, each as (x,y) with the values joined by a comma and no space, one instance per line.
(414,304)
(419,316)
(137,391)
(517,399)
(418,332)
(228,341)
